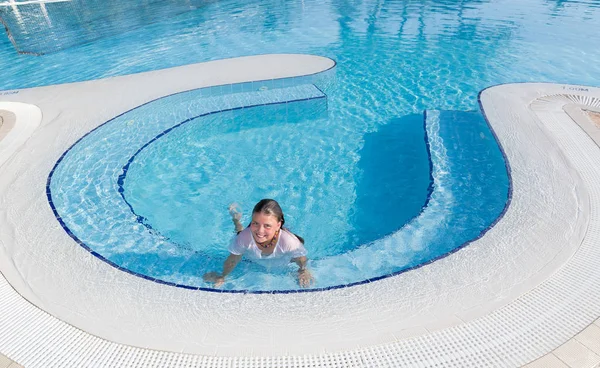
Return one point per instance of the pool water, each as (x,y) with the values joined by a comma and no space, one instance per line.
(184,182)
(148,191)
(370,194)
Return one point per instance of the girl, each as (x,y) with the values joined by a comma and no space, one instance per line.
(264,239)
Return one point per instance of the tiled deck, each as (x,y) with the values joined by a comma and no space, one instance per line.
(582,351)
(7,363)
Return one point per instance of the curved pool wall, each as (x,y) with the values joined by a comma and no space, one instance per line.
(11,138)
(86,190)
(472,299)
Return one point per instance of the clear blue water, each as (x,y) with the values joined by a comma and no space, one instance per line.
(152,199)
(300,158)
(357,175)
(58,26)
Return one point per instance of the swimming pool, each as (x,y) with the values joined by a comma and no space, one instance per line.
(363,109)
(429,54)
(409,196)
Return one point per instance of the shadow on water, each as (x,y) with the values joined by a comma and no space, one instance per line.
(395,179)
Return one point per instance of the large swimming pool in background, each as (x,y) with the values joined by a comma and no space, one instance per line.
(398,169)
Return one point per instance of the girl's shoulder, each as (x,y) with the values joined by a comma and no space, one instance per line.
(244,237)
(241,243)
(288,241)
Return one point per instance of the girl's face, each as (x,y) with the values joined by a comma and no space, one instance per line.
(264,227)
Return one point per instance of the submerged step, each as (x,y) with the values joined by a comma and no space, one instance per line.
(474,176)
(252,94)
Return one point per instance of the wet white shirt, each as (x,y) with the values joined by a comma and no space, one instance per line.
(288,246)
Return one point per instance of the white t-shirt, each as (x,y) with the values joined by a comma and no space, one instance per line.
(288,246)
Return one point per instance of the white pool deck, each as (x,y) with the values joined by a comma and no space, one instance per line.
(526,289)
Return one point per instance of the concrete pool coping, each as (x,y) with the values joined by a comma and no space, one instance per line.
(468,308)
(10,138)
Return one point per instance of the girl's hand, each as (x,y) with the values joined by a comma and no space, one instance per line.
(234,211)
(214,278)
(305,279)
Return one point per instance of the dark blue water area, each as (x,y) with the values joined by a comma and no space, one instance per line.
(395,179)
(480,181)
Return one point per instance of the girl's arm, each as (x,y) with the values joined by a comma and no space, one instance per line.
(304,276)
(230,263)
(236,217)
(219,278)
(233,259)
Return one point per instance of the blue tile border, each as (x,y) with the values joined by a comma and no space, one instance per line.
(430,190)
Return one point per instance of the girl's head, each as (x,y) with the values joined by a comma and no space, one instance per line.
(267,219)
(269,207)
(268,215)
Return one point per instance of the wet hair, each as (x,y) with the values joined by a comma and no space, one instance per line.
(271,207)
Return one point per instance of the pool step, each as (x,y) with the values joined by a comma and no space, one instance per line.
(236,96)
(470,170)
(454,117)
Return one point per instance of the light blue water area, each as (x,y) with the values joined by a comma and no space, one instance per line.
(415,190)
(182,183)
(353,182)
(42,29)
(427,52)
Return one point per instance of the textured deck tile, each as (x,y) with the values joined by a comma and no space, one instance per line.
(590,337)
(576,355)
(4,361)
(547,361)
